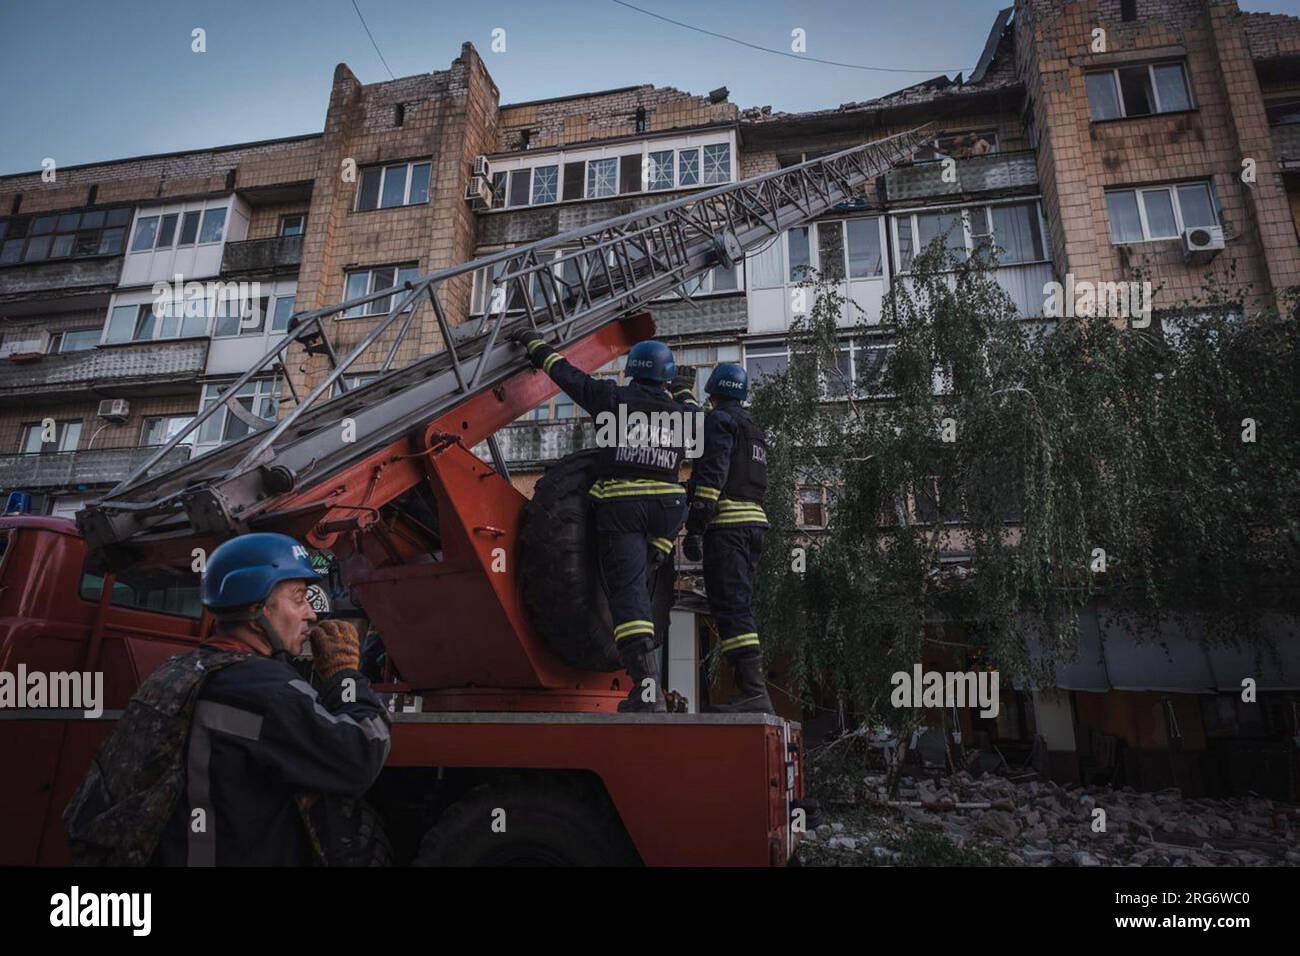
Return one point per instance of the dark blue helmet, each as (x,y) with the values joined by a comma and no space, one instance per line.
(728,380)
(244,570)
(653,360)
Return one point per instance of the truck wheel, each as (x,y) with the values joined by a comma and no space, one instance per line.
(558,565)
(561,573)
(530,822)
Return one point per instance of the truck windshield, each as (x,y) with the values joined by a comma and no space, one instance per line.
(149,589)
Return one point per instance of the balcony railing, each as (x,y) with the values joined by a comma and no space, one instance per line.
(83,275)
(526,444)
(96,466)
(144,367)
(262,255)
(995,172)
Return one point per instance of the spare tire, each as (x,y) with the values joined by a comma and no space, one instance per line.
(558,563)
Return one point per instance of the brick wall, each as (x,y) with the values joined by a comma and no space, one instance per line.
(579,119)
(450,117)
(126,435)
(1079,159)
(192,173)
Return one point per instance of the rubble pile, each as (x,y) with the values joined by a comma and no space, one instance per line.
(991,820)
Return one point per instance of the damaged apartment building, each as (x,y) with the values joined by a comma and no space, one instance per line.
(1073,160)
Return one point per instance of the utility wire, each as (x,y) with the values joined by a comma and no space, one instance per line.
(791,55)
(372,40)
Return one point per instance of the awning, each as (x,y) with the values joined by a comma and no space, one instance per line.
(1113,654)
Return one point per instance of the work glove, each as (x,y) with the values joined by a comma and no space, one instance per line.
(693,548)
(682,386)
(524,336)
(335,647)
(534,344)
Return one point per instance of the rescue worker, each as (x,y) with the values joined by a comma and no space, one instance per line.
(639,503)
(226,755)
(725,528)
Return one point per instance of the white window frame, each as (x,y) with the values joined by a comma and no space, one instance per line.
(383,176)
(61,429)
(171,432)
(63,339)
(704,284)
(1155,90)
(532,186)
(694,143)
(731,165)
(480,296)
(1179,225)
(263,388)
(588,181)
(964,212)
(814,249)
(412,271)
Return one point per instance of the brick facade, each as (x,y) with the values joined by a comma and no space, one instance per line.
(1029,87)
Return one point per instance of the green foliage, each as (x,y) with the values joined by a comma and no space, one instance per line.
(1071,436)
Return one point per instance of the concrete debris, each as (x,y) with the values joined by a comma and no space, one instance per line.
(960,819)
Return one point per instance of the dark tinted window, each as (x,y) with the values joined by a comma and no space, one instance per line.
(149,589)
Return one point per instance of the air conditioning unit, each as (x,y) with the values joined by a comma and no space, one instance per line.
(114,410)
(1202,243)
(481,167)
(478,188)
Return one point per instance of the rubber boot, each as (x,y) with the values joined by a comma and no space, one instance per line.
(641,661)
(751,682)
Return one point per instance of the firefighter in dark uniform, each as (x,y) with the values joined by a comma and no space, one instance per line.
(639,503)
(727,485)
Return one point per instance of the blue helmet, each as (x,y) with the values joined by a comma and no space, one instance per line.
(728,380)
(653,360)
(244,570)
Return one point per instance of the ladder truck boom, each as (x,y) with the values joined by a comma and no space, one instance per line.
(307,475)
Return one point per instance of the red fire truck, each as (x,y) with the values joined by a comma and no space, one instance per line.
(490,614)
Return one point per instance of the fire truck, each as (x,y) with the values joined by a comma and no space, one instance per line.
(489,608)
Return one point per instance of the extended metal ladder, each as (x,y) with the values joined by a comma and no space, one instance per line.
(603,271)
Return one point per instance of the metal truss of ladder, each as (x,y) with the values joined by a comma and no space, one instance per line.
(566,286)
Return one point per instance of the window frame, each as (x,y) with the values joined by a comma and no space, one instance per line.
(97,331)
(189,439)
(75,234)
(383,178)
(61,427)
(503,179)
(1113,72)
(284,220)
(413,269)
(271,391)
(1176,204)
(901,268)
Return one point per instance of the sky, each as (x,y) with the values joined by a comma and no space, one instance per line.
(92,80)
